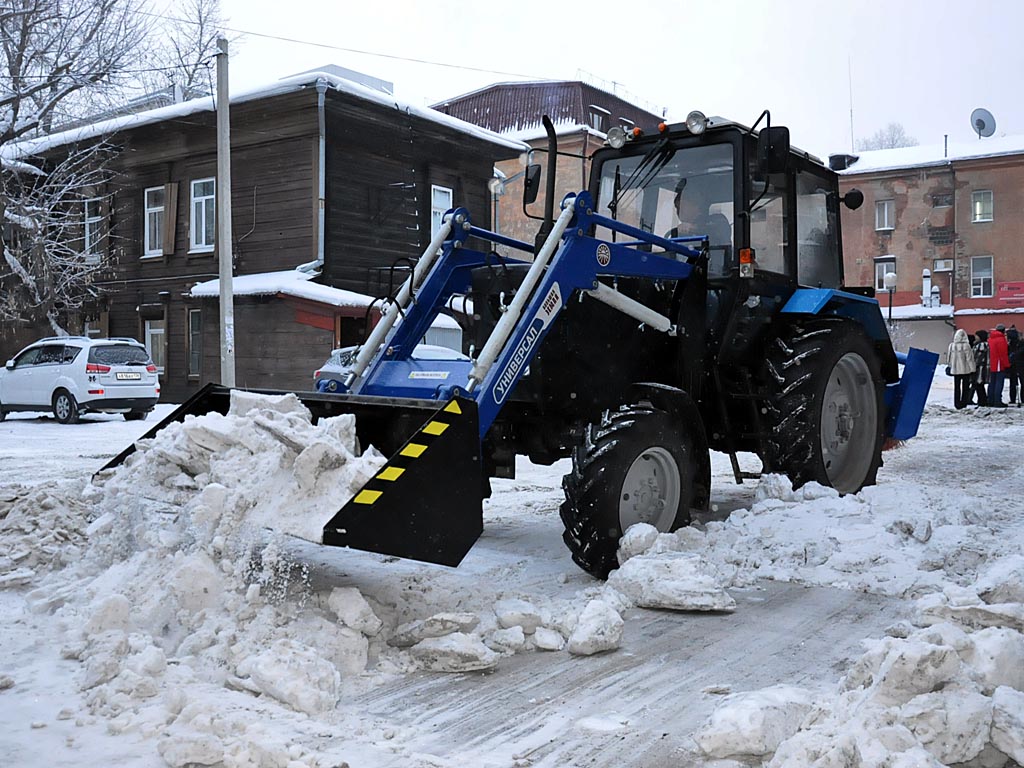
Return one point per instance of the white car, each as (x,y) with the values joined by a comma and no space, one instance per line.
(332,373)
(72,375)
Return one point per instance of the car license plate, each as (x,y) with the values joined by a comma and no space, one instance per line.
(129,376)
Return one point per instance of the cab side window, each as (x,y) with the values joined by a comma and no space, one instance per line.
(817,252)
(769,222)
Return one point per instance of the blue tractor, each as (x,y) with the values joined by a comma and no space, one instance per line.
(692,299)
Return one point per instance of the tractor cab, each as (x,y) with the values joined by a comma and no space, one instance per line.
(767,213)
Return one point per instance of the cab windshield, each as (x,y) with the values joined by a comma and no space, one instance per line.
(675,192)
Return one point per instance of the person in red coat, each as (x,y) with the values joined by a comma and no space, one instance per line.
(999,364)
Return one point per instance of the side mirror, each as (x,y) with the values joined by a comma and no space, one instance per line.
(853,199)
(531,184)
(773,149)
(10,365)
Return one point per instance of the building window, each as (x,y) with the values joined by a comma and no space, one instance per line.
(155,343)
(883,266)
(153,235)
(93,221)
(885,214)
(599,118)
(981,205)
(440,201)
(942,199)
(981,277)
(195,342)
(203,225)
(942,265)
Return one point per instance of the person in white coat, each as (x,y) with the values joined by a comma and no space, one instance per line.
(961,364)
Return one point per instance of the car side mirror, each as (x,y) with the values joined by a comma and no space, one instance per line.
(773,149)
(531,184)
(10,365)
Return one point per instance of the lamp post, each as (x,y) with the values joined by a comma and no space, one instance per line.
(889,281)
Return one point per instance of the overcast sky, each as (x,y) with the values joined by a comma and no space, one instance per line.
(923,63)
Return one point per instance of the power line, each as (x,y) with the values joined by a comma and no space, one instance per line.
(354,50)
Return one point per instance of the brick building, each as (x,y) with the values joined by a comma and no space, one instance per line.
(581,114)
(953,211)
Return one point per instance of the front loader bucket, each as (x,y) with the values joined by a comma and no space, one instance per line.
(424,504)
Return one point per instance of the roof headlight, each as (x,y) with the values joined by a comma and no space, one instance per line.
(696,122)
(617,137)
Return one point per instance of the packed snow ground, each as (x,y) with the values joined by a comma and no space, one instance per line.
(150,620)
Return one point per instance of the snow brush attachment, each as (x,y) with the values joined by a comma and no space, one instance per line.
(425,503)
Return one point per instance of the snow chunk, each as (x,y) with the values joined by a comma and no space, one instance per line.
(186,748)
(295,675)
(637,539)
(673,580)
(953,725)
(438,625)
(1008,722)
(507,640)
(110,613)
(196,583)
(911,668)
(242,403)
(996,658)
(754,723)
(548,639)
(456,652)
(352,610)
(517,613)
(599,629)
(1002,581)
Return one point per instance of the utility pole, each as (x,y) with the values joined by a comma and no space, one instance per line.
(227,299)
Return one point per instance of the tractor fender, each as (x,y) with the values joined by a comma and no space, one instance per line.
(680,405)
(862,310)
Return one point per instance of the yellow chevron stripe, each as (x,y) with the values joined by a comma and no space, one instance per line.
(367,497)
(453,407)
(435,428)
(390,473)
(413,450)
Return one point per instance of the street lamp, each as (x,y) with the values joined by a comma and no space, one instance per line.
(889,281)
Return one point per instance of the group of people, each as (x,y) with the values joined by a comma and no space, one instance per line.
(982,362)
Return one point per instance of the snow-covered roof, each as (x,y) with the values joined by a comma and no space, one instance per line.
(291,282)
(295,83)
(933,154)
(991,311)
(915,311)
(562,128)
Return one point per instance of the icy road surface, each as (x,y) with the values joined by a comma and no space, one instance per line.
(811,576)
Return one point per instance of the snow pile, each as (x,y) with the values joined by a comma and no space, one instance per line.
(939,692)
(899,542)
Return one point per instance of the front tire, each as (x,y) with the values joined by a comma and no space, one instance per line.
(65,407)
(636,465)
(826,410)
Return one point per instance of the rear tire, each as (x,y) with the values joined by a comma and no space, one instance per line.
(635,465)
(136,415)
(826,412)
(65,407)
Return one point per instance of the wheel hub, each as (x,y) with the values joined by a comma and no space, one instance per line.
(849,422)
(650,491)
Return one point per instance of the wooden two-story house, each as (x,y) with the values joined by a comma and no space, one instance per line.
(328,176)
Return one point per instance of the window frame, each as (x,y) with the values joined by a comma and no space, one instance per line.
(149,332)
(880,278)
(194,347)
(889,225)
(980,219)
(91,234)
(436,214)
(148,252)
(194,245)
(937,268)
(980,292)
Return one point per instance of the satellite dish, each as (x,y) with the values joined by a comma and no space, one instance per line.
(982,122)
